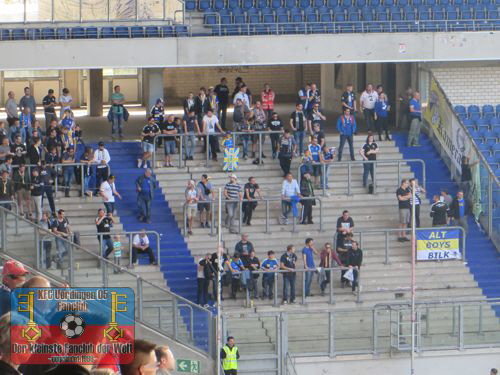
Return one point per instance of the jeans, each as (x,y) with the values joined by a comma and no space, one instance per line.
(369,118)
(253,287)
(231,208)
(86,180)
(325,281)
(100,177)
(189,144)
(147,250)
(202,292)
(414,133)
(110,207)
(347,138)
(299,138)
(235,284)
(275,139)
(247,209)
(285,162)
(69,174)
(324,176)
(245,140)
(106,246)
(268,285)
(214,144)
(144,204)
(245,277)
(47,250)
(221,114)
(63,247)
(116,124)
(309,276)
(417,215)
(49,192)
(367,168)
(381,125)
(355,275)
(286,207)
(289,283)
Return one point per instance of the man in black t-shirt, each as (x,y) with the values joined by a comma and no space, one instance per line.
(169,127)
(298,123)
(287,148)
(348,99)
(149,131)
(253,265)
(104,222)
(275,124)
(62,229)
(439,212)
(404,195)
(345,225)
(222,92)
(368,152)
(250,190)
(19,151)
(287,263)
(49,103)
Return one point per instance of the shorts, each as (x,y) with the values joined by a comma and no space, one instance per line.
(148,147)
(404,215)
(169,146)
(204,206)
(190,211)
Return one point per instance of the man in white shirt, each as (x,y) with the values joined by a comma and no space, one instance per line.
(102,159)
(210,125)
(289,188)
(242,94)
(65,101)
(108,191)
(11,109)
(367,101)
(140,244)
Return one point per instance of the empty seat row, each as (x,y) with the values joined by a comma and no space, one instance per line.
(193,5)
(93,32)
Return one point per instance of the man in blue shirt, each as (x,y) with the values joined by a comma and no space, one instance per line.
(308,257)
(416,119)
(269,264)
(236,267)
(145,186)
(346,126)
(317,157)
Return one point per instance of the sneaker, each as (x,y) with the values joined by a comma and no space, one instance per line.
(139,163)
(145,165)
(284,302)
(155,263)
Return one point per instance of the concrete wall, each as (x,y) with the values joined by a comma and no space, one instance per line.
(250,50)
(478,362)
(470,84)
(284,79)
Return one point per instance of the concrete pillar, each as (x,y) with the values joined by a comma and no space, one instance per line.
(374,73)
(348,74)
(403,81)
(299,78)
(153,87)
(327,86)
(72,83)
(95,99)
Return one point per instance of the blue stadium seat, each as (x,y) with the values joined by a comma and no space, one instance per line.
(346,3)
(219,4)
(225,20)
(33,34)
(181,30)
(445,2)
(237,12)
(282,18)
(410,13)
(332,3)
(473,109)
(204,5)
(460,109)
(465,12)
(91,32)
(382,16)
(240,19)
(209,19)
(304,4)
(275,4)
(268,18)
(252,12)
(367,16)
(493,121)
(122,32)
(233,4)
(18,34)
(47,33)
(479,12)
(167,31)
(289,4)
(151,32)
(417,3)
(190,5)
(311,17)
(353,16)
(451,13)
(438,13)
(424,13)
(488,109)
(360,3)
(254,18)
(262,4)
(431,3)
(5,34)
(77,33)
(318,3)
(467,122)
(389,3)
(247,4)
(107,32)
(474,134)
(395,13)
(374,3)
(337,17)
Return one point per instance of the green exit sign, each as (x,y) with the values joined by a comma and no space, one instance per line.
(186,365)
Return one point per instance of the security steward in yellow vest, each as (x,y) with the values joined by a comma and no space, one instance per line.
(229,355)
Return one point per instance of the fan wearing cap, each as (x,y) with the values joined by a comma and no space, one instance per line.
(232,194)
(13,276)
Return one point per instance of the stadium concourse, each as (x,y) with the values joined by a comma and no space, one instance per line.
(129,210)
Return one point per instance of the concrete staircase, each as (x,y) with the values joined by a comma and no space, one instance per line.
(380,282)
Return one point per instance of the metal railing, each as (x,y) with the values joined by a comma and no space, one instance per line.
(58,166)
(328,165)
(16,221)
(128,235)
(368,330)
(484,188)
(239,213)
(176,319)
(81,12)
(235,136)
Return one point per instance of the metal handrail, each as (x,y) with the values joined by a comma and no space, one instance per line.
(104,264)
(290,365)
(201,134)
(14,203)
(350,163)
(99,235)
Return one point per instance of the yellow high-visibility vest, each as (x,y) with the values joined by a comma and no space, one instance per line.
(230,362)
